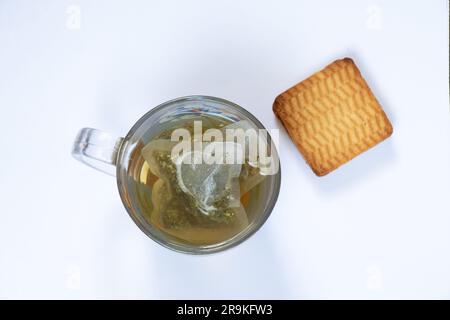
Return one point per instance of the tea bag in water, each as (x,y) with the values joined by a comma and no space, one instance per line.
(252,172)
(211,183)
(191,194)
(157,154)
(250,177)
(160,198)
(174,220)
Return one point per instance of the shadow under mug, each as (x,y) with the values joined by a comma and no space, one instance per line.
(112,155)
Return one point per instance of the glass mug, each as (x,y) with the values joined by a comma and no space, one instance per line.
(123,158)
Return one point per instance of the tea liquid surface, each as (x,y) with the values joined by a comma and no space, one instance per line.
(190,212)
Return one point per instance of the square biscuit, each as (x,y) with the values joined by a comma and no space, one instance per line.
(332,116)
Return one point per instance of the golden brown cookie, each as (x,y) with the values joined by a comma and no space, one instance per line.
(332,116)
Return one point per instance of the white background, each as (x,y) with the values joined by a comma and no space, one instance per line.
(379,227)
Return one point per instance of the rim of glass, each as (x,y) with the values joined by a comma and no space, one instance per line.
(187,248)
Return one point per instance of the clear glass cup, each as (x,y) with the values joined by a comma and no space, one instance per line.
(112,155)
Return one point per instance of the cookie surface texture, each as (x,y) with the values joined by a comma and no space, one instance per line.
(332,116)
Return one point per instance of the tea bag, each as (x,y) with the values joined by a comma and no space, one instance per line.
(201,235)
(250,177)
(193,194)
(244,125)
(210,184)
(253,172)
(200,194)
(160,198)
(157,154)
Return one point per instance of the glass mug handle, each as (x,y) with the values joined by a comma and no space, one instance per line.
(97,149)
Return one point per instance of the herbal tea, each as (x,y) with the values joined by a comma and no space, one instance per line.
(185,182)
(194,203)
